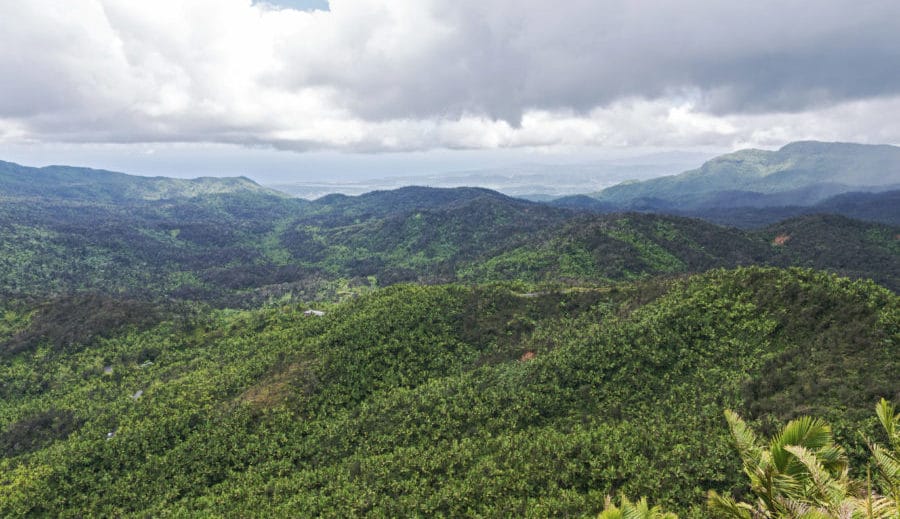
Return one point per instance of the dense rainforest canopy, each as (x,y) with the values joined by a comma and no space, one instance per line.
(445,399)
(470,354)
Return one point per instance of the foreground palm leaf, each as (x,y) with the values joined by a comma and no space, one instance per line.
(629,510)
(801,474)
(887,459)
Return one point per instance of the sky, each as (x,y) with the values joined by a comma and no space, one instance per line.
(306,89)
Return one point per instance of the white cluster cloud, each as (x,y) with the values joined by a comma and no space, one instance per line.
(376,75)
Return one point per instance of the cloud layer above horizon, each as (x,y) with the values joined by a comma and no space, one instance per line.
(401,75)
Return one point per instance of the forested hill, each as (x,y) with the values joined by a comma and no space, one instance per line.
(335,209)
(444,400)
(635,245)
(93,185)
(250,246)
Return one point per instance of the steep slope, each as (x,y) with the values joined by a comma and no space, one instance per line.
(801,173)
(848,247)
(441,400)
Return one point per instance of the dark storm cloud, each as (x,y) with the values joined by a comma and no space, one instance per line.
(503,57)
(417,74)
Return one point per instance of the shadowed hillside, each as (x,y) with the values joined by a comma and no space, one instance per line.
(247,247)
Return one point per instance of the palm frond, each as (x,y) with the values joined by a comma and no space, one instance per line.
(744,438)
(637,510)
(825,490)
(726,507)
(890,421)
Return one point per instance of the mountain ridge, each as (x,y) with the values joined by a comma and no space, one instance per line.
(806,165)
(881,207)
(99,185)
(247,243)
(239,247)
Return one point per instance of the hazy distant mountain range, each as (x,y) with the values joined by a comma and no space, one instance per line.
(532,181)
(801,173)
(100,185)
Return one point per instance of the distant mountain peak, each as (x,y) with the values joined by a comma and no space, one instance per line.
(831,147)
(98,185)
(800,173)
